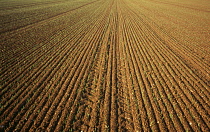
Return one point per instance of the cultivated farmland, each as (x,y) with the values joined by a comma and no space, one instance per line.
(104,65)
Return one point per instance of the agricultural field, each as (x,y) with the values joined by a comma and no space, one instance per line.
(104,65)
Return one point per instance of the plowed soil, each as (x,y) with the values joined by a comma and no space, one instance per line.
(105,65)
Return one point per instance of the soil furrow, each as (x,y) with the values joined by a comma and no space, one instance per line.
(104,65)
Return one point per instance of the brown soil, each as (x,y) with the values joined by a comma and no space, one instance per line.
(105,65)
